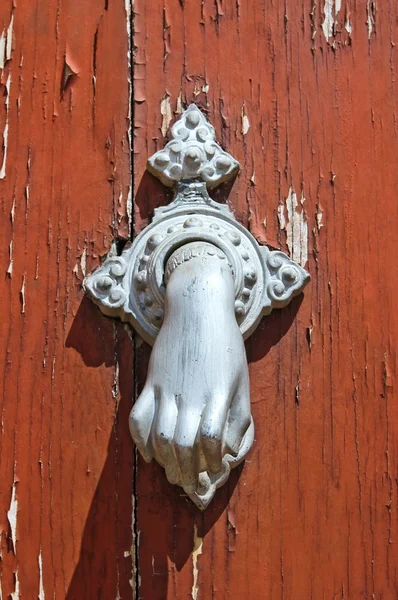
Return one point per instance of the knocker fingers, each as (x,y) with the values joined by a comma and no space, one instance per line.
(239,419)
(186,446)
(163,435)
(212,430)
(140,422)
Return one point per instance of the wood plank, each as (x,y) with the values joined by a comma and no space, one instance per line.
(305,103)
(313,512)
(66,467)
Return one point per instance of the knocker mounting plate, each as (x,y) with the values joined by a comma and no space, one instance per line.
(194,279)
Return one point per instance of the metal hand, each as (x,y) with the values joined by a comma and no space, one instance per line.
(194,410)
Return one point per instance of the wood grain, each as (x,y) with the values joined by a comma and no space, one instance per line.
(64,439)
(313,512)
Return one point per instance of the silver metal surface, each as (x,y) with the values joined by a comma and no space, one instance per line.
(194,284)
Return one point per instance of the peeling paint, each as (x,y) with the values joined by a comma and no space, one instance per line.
(11,247)
(330,10)
(129,202)
(196,89)
(83,262)
(23,296)
(68,74)
(12,213)
(41,595)
(197,550)
(166,36)
(135,550)
(28,165)
(11,263)
(9,38)
(16,595)
(296,227)
(5,132)
(3,41)
(166,112)
(12,516)
(281,216)
(245,120)
(313,20)
(310,329)
(371,16)
(327,25)
(115,386)
(6,43)
(319,217)
(179,108)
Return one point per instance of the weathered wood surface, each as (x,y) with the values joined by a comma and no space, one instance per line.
(66,472)
(307,102)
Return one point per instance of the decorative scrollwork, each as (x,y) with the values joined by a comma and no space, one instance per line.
(192,153)
(188,252)
(287,278)
(193,415)
(105,285)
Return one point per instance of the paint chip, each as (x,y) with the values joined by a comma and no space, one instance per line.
(6,43)
(68,75)
(9,39)
(296,227)
(245,120)
(83,262)
(281,216)
(5,132)
(16,593)
(348,26)
(166,112)
(319,217)
(179,108)
(327,25)
(12,516)
(11,264)
(3,41)
(41,595)
(310,329)
(129,201)
(197,550)
(12,214)
(371,16)
(331,10)
(23,292)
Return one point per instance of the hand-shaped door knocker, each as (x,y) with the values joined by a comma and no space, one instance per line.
(194,284)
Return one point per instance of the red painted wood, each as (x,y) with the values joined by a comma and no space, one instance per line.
(64,440)
(313,512)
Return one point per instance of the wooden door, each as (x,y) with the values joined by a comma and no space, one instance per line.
(304,95)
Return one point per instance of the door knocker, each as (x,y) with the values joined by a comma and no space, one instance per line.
(194,284)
